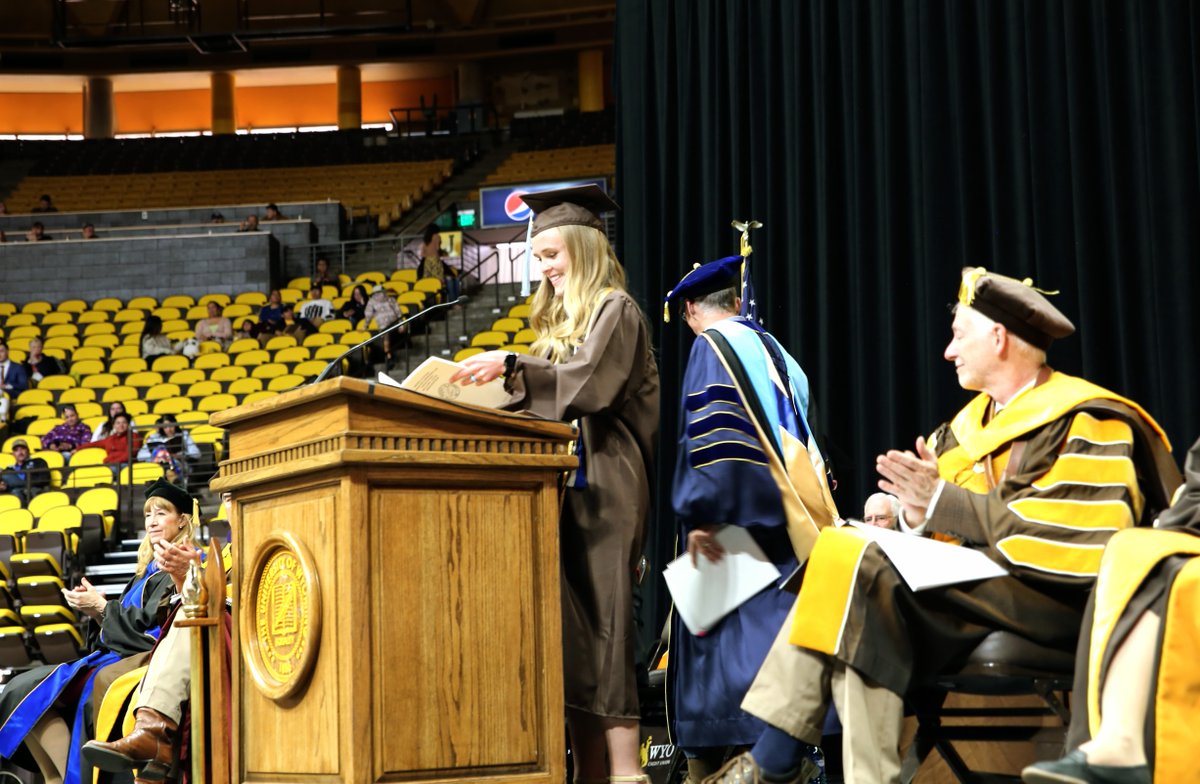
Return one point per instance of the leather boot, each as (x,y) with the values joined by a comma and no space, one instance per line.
(149,747)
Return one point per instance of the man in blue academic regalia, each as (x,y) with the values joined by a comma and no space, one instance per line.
(743,398)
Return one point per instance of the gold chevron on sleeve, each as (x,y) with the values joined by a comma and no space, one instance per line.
(1076,560)
(1105,432)
(1077,469)
(1111,514)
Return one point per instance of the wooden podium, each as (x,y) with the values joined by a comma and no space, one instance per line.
(397,610)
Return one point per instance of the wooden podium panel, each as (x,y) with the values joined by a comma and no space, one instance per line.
(397,591)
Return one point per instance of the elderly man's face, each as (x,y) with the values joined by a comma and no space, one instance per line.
(878,512)
(972,348)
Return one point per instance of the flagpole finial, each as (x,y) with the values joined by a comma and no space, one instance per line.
(745,227)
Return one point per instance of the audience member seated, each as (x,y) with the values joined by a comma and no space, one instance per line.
(105,428)
(216,217)
(322,276)
(273,213)
(154,343)
(37,365)
(297,328)
(37,233)
(121,444)
(45,204)
(249,223)
(164,689)
(881,510)
(384,310)
(67,437)
(316,309)
(89,232)
(28,476)
(44,711)
(270,316)
(356,305)
(215,328)
(175,440)
(13,379)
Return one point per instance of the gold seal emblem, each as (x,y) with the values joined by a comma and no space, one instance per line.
(281,624)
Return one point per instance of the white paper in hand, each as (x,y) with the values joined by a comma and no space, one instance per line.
(707,592)
(928,563)
(432,377)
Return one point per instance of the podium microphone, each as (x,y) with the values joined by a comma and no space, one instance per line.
(338,361)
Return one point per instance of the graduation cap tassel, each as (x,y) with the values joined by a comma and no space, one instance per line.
(528,258)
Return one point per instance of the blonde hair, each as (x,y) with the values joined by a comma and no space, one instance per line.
(561,323)
(145,549)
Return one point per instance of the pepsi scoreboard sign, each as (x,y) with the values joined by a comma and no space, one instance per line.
(502,206)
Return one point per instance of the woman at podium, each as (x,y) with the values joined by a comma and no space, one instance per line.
(591,363)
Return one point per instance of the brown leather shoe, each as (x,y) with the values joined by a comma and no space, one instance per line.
(742,769)
(148,747)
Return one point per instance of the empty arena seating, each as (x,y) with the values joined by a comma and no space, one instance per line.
(557,164)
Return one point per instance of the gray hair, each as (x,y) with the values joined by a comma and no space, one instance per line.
(892,501)
(724,300)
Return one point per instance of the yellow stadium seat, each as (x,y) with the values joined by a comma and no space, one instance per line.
(169,362)
(293,354)
(135,407)
(37,306)
(317,340)
(416,298)
(41,427)
(173,405)
(332,351)
(87,367)
(216,402)
(7,308)
(281,341)
(123,351)
(192,418)
(236,309)
(253,357)
(520,311)
(93,317)
(178,301)
(144,378)
(186,377)
(312,367)
(301,283)
(89,352)
(119,394)
(22,320)
(49,499)
(87,409)
(252,298)
(162,391)
(244,386)
(100,501)
(269,370)
(108,303)
(36,410)
(132,328)
(142,303)
(508,324)
(490,339)
(201,388)
(228,373)
(406,275)
(335,326)
(72,306)
(128,314)
(77,395)
(89,476)
(432,285)
(211,360)
(195,313)
(92,455)
(254,397)
(145,420)
(292,296)
(176,325)
(9,501)
(100,380)
(34,397)
(29,332)
(463,353)
(60,328)
(220,299)
(370,277)
(285,382)
(525,335)
(59,382)
(127,365)
(354,336)
(210,347)
(99,328)
(243,344)
(396,287)
(140,473)
(104,341)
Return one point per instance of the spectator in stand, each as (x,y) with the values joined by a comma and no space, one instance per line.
(270,317)
(356,305)
(881,510)
(322,276)
(384,310)
(45,204)
(247,328)
(431,254)
(170,436)
(273,213)
(28,476)
(38,365)
(216,217)
(216,327)
(316,309)
(249,223)
(13,379)
(67,437)
(89,232)
(297,328)
(105,428)
(37,233)
(154,343)
(122,443)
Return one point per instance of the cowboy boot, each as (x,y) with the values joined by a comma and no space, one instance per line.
(148,747)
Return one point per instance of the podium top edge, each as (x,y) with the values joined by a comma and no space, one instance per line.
(367,389)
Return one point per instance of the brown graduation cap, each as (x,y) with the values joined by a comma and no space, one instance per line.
(579,205)
(1016,304)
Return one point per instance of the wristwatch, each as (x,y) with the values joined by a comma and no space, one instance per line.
(510,364)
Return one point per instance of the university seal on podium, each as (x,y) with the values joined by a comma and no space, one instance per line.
(281,619)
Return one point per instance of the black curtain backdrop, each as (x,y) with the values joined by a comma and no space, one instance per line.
(887,144)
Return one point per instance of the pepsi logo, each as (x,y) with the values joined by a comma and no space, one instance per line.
(514,208)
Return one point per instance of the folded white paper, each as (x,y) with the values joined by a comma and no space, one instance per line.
(928,563)
(707,592)
(432,377)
